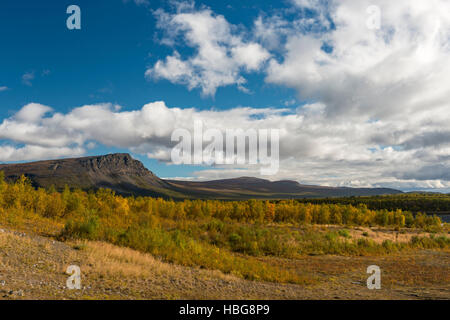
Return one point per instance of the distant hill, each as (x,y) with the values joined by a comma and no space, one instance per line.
(127,176)
(247,187)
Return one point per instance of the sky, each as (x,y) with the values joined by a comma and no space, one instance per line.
(359,90)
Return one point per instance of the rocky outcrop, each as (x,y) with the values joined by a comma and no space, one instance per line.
(119,172)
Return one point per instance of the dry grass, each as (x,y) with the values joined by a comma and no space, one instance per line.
(35,266)
(380,234)
(105,259)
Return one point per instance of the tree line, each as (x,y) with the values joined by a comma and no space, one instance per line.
(105,203)
(414,202)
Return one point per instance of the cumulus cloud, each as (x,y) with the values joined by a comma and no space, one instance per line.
(312,149)
(396,70)
(32,112)
(387,85)
(221,55)
(31,153)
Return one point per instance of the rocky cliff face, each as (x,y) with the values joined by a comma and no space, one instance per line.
(119,172)
(118,163)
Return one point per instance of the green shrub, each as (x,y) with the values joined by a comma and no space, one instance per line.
(344,233)
(87,229)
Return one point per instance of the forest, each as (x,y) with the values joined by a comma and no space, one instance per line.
(414,202)
(230,236)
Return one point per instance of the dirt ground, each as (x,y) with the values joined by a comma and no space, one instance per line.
(33,267)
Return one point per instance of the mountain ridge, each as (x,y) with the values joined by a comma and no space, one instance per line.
(128,176)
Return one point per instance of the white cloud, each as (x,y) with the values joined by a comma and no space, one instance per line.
(397,70)
(382,93)
(249,55)
(3,88)
(221,54)
(401,152)
(32,112)
(270,30)
(9,153)
(27,78)
(310,4)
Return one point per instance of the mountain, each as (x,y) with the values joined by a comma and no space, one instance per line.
(119,172)
(247,187)
(127,176)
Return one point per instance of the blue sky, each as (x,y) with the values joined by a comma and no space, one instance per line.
(105,61)
(348,99)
